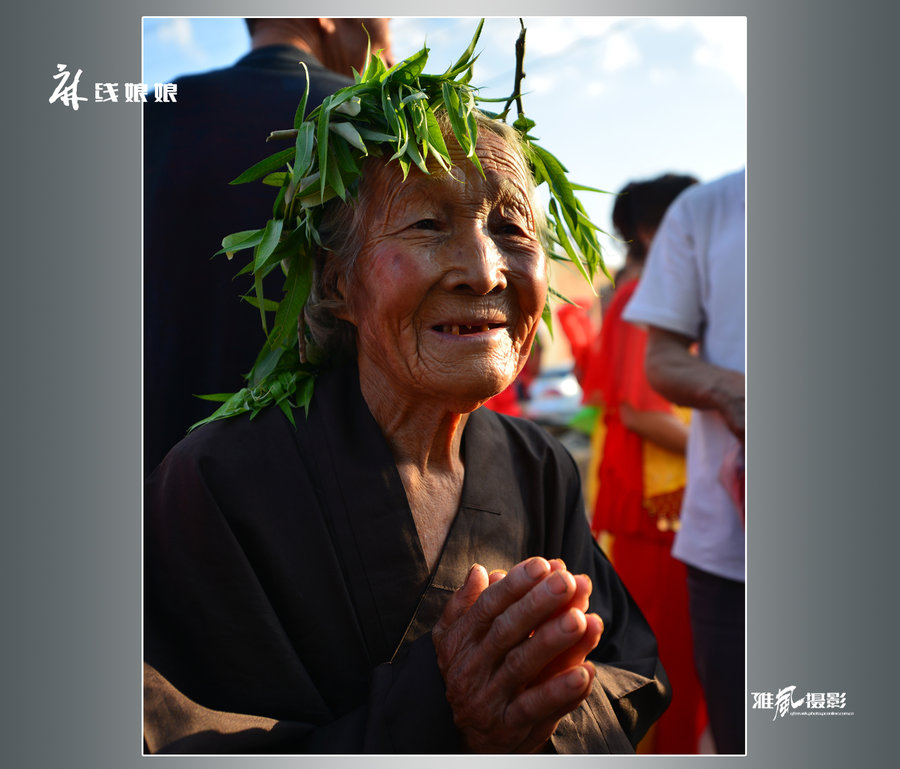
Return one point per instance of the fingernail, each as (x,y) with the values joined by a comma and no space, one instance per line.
(536,567)
(577,678)
(556,583)
(569,621)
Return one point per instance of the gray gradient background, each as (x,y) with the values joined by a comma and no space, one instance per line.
(822,275)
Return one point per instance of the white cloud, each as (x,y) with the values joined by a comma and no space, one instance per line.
(724,47)
(544,82)
(176,31)
(619,52)
(661,76)
(552,35)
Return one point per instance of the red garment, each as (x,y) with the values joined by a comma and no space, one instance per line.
(615,373)
(658,584)
(505,402)
(640,551)
(579,331)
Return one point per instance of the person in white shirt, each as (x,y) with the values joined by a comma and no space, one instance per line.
(693,293)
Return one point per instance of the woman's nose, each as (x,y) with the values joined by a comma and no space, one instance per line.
(476,265)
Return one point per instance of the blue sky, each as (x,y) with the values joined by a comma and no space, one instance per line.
(614,98)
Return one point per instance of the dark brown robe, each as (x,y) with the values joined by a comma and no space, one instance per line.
(289,606)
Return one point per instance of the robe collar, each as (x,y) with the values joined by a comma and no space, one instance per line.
(395,596)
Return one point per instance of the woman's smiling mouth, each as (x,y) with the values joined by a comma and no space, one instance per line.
(459,329)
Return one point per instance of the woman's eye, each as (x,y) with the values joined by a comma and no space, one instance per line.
(510,228)
(425,224)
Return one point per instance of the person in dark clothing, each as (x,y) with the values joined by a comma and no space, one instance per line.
(380,565)
(286,583)
(200,337)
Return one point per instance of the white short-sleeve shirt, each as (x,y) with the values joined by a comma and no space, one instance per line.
(693,283)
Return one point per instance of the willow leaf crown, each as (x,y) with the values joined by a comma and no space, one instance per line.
(388,113)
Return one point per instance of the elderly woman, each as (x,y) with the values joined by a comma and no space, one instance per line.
(311,587)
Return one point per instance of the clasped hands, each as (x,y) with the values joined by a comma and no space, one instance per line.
(511,648)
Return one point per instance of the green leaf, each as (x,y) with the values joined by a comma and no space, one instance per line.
(374,70)
(304,393)
(258,287)
(265,364)
(340,100)
(270,239)
(522,124)
(553,164)
(282,135)
(304,152)
(375,136)
(404,166)
(463,62)
(566,243)
(334,178)
(288,412)
(278,211)
(473,134)
(300,114)
(232,407)
(240,240)
(414,96)
(349,133)
(296,292)
(217,397)
(560,187)
(409,69)
(309,184)
(346,161)
(583,188)
(357,77)
(265,166)
(287,248)
(562,298)
(404,140)
(390,113)
(275,179)
(436,139)
(351,107)
(412,150)
(322,141)
(457,123)
(269,305)
(547,317)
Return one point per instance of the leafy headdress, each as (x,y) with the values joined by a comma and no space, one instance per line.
(386,113)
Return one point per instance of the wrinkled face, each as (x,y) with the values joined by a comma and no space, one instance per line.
(449,287)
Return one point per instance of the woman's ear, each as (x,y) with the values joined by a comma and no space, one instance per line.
(341,307)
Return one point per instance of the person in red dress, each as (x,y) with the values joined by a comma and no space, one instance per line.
(639,470)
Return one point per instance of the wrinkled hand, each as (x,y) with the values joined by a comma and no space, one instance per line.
(511,649)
